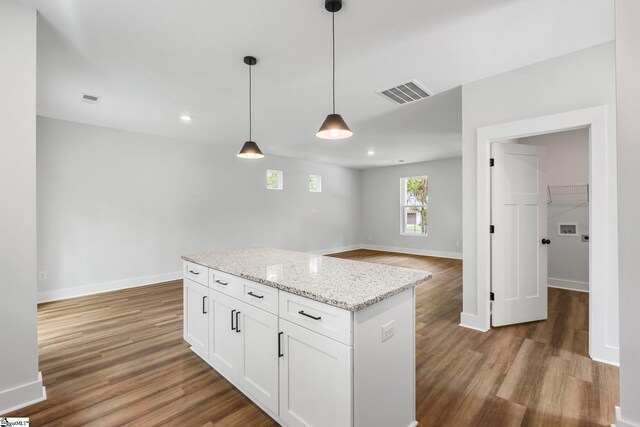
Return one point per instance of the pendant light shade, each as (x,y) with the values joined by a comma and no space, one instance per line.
(334,126)
(250,149)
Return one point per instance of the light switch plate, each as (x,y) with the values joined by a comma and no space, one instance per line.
(388,330)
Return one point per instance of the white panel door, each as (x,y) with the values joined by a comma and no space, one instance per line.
(196,317)
(258,371)
(225,352)
(518,244)
(315,379)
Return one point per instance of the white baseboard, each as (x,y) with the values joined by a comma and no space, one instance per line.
(425,252)
(571,285)
(23,395)
(472,321)
(620,422)
(336,250)
(98,288)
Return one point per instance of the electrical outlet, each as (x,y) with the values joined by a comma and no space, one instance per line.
(314,210)
(457,244)
(388,330)
(42,275)
(370,238)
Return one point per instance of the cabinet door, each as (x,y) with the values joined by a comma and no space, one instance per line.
(315,379)
(258,372)
(225,350)
(196,317)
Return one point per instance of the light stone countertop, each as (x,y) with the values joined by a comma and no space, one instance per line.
(348,284)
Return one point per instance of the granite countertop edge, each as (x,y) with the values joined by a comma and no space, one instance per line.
(320,298)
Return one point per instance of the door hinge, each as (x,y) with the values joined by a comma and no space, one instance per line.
(492,296)
(492,229)
(491,162)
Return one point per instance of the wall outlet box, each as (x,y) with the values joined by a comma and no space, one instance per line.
(388,330)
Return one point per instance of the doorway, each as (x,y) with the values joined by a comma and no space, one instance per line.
(540,199)
(603,279)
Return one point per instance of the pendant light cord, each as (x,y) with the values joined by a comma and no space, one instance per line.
(333,41)
(250,103)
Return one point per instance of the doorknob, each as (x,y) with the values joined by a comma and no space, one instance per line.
(546,241)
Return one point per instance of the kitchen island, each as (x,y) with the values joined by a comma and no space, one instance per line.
(312,340)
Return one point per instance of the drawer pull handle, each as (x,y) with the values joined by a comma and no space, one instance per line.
(204,304)
(232,313)
(237,321)
(255,296)
(194,272)
(309,315)
(280,354)
(222,283)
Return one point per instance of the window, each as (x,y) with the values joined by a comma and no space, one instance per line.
(274,180)
(414,202)
(315,183)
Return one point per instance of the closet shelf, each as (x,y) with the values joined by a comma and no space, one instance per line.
(568,195)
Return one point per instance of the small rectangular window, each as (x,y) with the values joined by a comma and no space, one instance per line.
(414,193)
(274,179)
(315,183)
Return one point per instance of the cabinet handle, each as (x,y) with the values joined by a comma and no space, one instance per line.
(222,283)
(237,321)
(194,272)
(280,354)
(255,296)
(308,315)
(204,304)
(232,313)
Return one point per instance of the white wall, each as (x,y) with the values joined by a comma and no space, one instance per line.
(628,91)
(117,209)
(381,213)
(567,164)
(576,81)
(19,379)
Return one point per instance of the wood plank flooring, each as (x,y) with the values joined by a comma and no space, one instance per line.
(118,359)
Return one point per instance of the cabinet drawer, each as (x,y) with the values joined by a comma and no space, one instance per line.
(197,273)
(258,295)
(325,319)
(223,282)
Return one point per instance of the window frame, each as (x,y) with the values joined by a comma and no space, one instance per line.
(403,205)
(280,179)
(319,183)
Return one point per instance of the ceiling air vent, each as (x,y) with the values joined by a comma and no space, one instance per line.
(90,99)
(406,93)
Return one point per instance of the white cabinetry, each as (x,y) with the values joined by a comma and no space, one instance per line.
(304,362)
(258,372)
(315,379)
(244,347)
(196,323)
(225,351)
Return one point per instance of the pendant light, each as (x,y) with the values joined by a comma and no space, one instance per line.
(334,126)
(250,149)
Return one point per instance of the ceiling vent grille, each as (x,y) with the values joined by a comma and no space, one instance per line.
(406,93)
(90,99)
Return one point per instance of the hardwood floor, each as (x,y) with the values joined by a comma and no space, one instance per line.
(118,359)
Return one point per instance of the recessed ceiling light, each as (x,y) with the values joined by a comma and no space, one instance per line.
(399,161)
(371,152)
(185,118)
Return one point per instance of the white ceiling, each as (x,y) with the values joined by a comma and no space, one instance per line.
(153,60)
